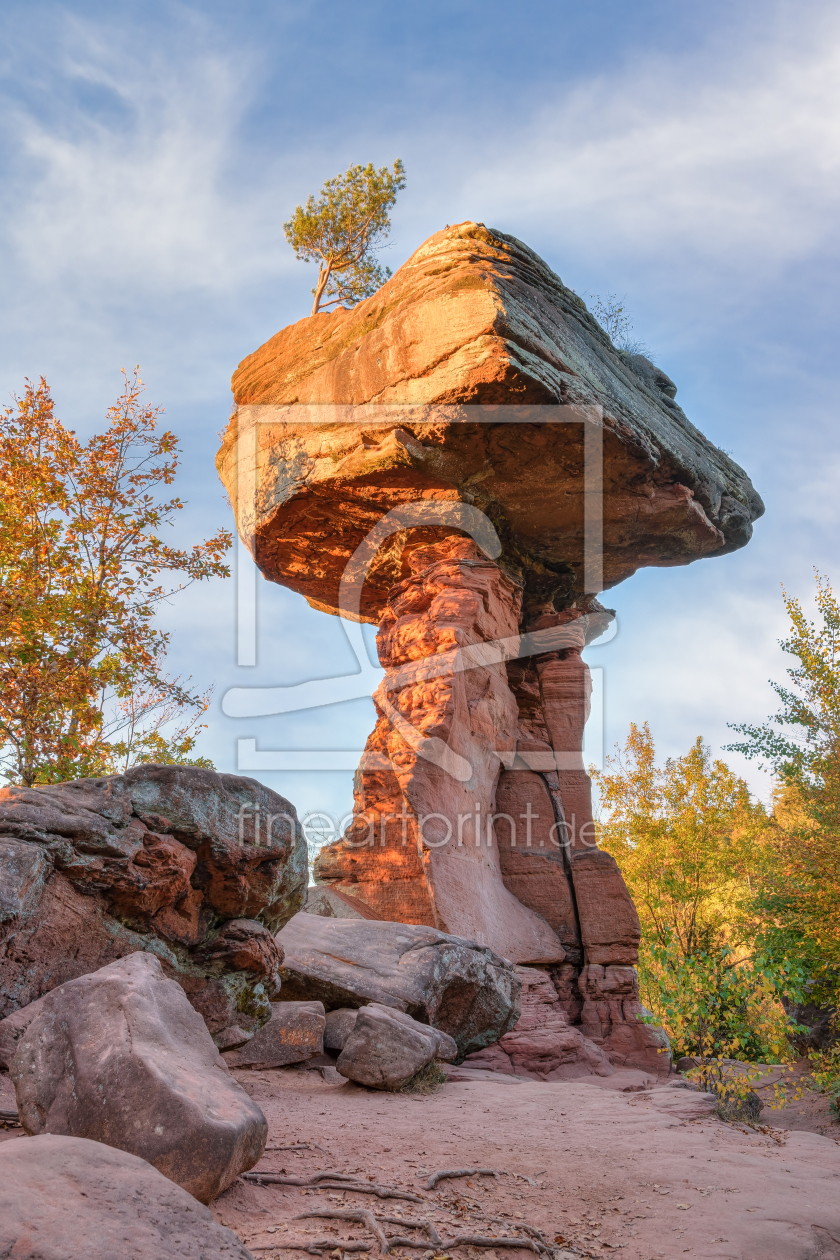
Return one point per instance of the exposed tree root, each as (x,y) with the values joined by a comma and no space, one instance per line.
(457,1172)
(360,1215)
(334,1181)
(300,1146)
(536,1242)
(315,1246)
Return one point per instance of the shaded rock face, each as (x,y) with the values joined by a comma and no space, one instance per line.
(474,395)
(329,903)
(67,1196)
(386,1047)
(121,1057)
(455,985)
(543,1045)
(173,859)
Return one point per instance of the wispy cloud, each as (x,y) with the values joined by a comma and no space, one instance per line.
(133,177)
(732,160)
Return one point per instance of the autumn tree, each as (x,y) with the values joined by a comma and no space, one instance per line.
(690,843)
(800,898)
(342,229)
(83,688)
(686,836)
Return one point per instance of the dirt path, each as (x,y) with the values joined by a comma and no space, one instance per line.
(640,1174)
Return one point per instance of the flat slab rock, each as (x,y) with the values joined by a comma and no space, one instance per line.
(460,987)
(121,1057)
(66,1196)
(294,1033)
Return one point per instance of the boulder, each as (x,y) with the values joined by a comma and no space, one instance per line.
(473,320)
(294,1032)
(67,1196)
(542,1045)
(197,867)
(455,985)
(339,1026)
(121,1057)
(386,1048)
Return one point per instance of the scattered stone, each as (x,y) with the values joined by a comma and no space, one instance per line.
(121,1057)
(67,1196)
(386,1048)
(294,1032)
(453,984)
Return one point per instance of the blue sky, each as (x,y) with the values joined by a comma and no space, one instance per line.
(685,157)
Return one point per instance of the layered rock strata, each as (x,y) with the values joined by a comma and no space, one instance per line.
(199,868)
(466,460)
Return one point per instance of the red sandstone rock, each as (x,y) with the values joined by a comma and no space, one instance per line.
(294,1033)
(66,1197)
(443,401)
(542,1045)
(168,858)
(422,848)
(121,1057)
(330,903)
(473,318)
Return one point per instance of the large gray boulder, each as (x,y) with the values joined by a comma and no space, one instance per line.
(460,987)
(64,1197)
(121,1057)
(386,1048)
(199,868)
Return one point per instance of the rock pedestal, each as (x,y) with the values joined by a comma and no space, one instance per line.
(467,461)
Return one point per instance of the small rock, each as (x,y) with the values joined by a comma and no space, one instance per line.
(386,1048)
(232,1038)
(66,1196)
(340,1024)
(121,1057)
(294,1033)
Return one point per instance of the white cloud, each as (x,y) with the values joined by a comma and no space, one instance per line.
(143,191)
(731,159)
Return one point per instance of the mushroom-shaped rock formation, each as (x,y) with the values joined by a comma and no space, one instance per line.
(466,460)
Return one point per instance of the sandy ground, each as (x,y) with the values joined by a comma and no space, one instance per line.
(641,1172)
(646,1173)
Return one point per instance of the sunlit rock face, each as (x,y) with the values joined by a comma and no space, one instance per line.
(467,461)
(357,412)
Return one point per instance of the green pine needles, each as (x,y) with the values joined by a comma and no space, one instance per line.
(341,231)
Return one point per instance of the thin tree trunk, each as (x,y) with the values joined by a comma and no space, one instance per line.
(323,276)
